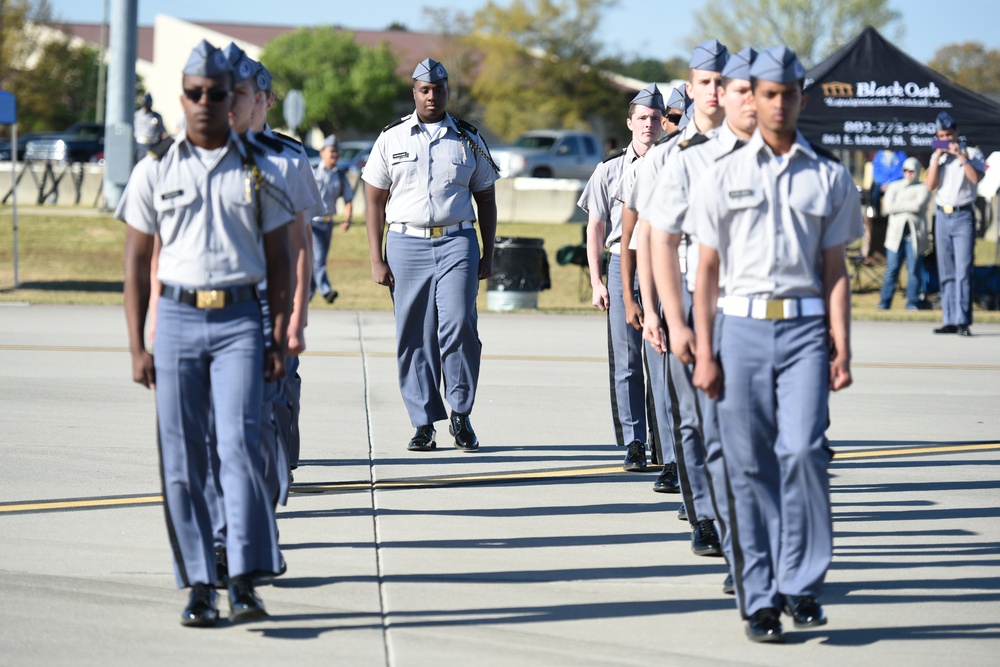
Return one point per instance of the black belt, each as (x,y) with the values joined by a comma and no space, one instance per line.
(214,298)
(953,209)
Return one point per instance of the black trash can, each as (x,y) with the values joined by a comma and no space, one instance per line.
(520,272)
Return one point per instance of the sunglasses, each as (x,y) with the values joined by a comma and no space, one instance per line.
(214,94)
(675,117)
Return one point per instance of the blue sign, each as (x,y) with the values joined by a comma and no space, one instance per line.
(8,108)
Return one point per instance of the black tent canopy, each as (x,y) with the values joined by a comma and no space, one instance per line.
(870,95)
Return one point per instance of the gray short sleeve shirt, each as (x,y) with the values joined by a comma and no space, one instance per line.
(210,229)
(770,219)
(954,189)
(598,199)
(430,181)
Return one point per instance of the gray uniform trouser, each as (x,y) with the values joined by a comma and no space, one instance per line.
(772,418)
(434,298)
(625,367)
(690,447)
(954,238)
(211,361)
(658,405)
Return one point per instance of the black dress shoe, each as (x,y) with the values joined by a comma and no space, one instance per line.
(331,297)
(635,459)
(423,439)
(765,626)
(946,329)
(221,568)
(727,586)
(805,611)
(964,330)
(244,603)
(705,539)
(460,427)
(200,611)
(682,513)
(667,481)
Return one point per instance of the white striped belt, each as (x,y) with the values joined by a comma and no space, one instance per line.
(615,248)
(428,232)
(771,309)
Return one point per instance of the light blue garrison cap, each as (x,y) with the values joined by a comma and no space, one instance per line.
(430,70)
(650,97)
(678,98)
(243,66)
(207,60)
(778,64)
(739,64)
(710,55)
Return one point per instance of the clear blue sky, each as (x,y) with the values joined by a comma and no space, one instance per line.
(634,27)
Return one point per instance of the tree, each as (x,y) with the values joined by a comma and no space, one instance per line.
(969,64)
(19,36)
(538,64)
(60,89)
(650,69)
(345,84)
(811,28)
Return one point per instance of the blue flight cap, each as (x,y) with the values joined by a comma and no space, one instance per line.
(262,78)
(739,64)
(710,56)
(650,97)
(944,121)
(430,70)
(207,60)
(778,64)
(330,141)
(243,66)
(686,118)
(147,100)
(678,98)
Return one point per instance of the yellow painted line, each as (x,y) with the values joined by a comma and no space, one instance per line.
(869,454)
(926,367)
(426,482)
(86,503)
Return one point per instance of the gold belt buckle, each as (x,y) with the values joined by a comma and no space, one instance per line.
(436,232)
(948,209)
(775,310)
(210,299)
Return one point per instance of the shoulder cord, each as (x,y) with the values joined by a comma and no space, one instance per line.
(474,145)
(255,182)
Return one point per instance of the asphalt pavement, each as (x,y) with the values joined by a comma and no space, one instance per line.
(536,550)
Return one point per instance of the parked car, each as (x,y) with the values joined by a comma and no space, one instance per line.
(550,154)
(22,143)
(82,142)
(354,155)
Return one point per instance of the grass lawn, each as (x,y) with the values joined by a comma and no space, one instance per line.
(77,259)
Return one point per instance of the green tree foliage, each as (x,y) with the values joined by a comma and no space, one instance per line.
(345,84)
(811,28)
(969,64)
(18,38)
(59,90)
(539,65)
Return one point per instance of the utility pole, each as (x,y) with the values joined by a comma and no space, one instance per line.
(118,127)
(101,65)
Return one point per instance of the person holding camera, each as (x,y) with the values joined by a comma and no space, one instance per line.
(954,172)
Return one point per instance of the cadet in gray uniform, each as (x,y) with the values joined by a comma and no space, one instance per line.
(219,239)
(424,171)
(954,173)
(287,413)
(629,404)
(707,62)
(692,159)
(147,127)
(662,421)
(333,185)
(775,253)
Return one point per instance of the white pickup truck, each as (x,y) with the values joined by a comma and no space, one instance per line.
(550,154)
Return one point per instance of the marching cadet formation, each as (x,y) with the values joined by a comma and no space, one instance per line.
(727,299)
